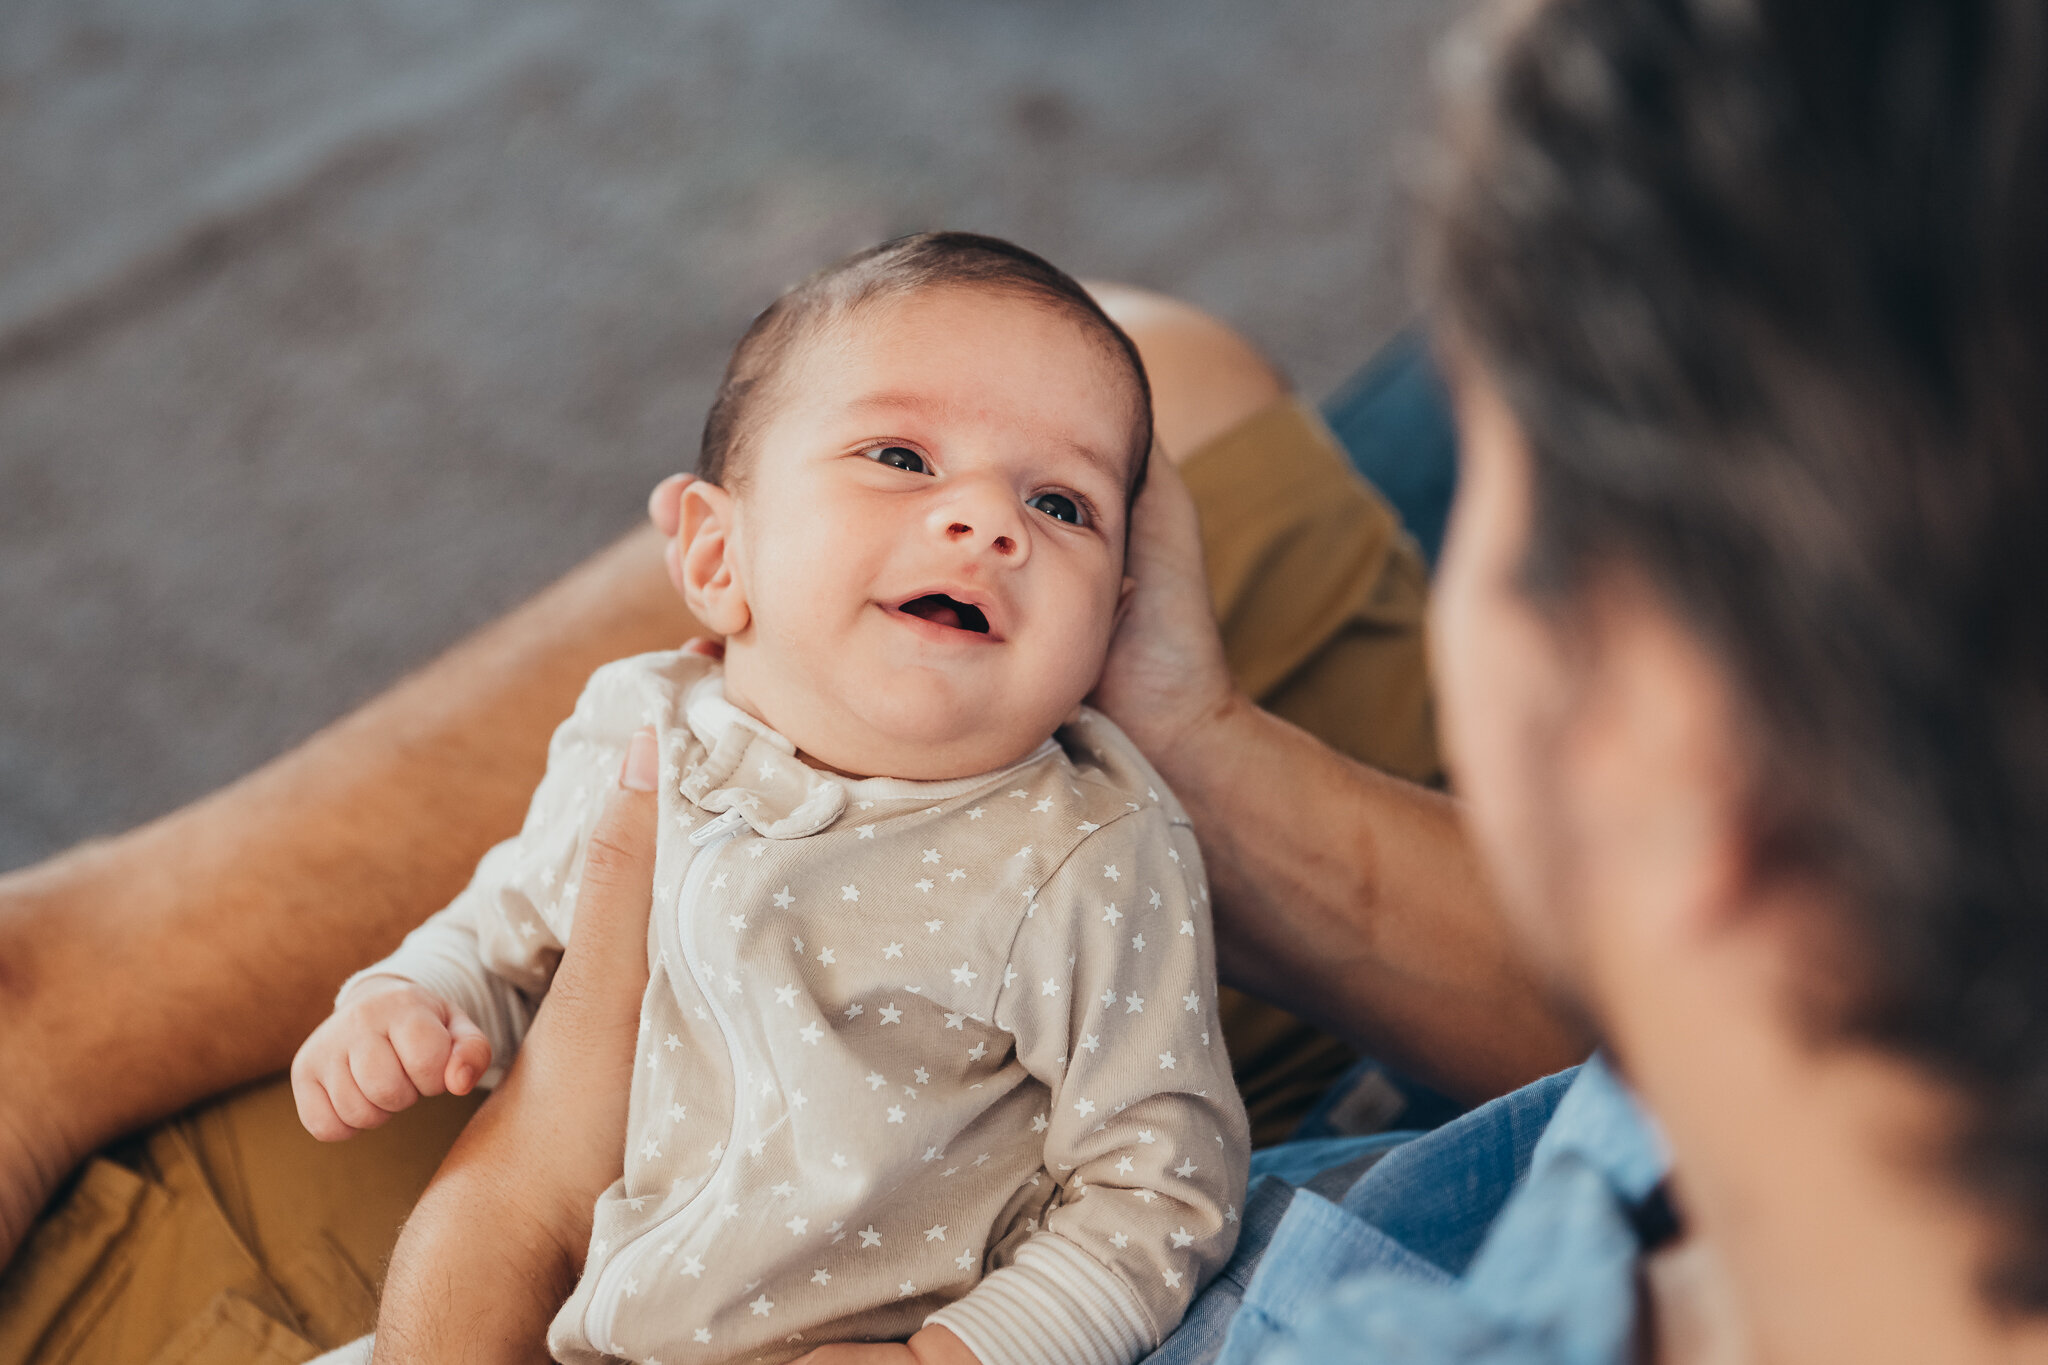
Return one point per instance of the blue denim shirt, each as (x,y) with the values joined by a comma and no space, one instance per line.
(1505,1236)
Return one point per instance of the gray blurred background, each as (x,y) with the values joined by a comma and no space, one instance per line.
(330,330)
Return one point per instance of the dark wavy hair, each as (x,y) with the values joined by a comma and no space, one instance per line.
(893,270)
(1766,285)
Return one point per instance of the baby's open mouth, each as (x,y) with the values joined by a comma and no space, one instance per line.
(942,610)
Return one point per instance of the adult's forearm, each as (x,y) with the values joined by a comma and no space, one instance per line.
(1356,900)
(142,973)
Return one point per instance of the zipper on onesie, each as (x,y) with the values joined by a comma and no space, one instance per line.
(710,839)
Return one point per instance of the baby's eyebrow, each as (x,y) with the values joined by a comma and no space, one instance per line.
(926,406)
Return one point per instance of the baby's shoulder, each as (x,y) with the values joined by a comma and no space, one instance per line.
(642,689)
(1109,771)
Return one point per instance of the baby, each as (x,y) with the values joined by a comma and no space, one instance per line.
(930,1035)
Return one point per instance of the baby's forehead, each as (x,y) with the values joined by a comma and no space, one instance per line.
(828,351)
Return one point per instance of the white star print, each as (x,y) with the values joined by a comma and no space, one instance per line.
(976,1053)
(867,831)
(786,995)
(1172,1278)
(1043,806)
(798,1226)
(692,1267)
(782,1189)
(976,813)
(1091,1043)
(1230,1213)
(797,1099)
(1038,1123)
(762,1306)
(1020,793)
(1109,997)
(892,950)
(1187,926)
(905,1290)
(702,1335)
(718,882)
(783,900)
(676,1113)
(796,945)
(958,1021)
(821,1276)
(1125,1166)
(1145,1138)
(1134,1003)
(956,874)
(869,1237)
(1192,1001)
(1087,827)
(849,892)
(810,1033)
(923,1077)
(1138,943)
(650,1150)
(1050,986)
(854,1011)
(965,1260)
(1182,1238)
(1166,1061)
(876,1080)
(932,926)
(1120,1240)
(1109,871)
(931,855)
(1174,854)
(1186,1168)
(965,975)
(890,1014)
(825,956)
(1084,1107)
(924,883)
(767,769)
(732,984)
(671,1042)
(895,1113)
(1110,914)
(736,922)
(756,1147)
(935,1233)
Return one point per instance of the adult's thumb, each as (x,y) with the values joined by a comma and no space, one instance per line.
(603,973)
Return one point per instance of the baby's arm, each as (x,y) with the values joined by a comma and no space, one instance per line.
(454,1001)
(1113,1006)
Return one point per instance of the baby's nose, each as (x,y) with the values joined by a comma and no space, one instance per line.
(1002,544)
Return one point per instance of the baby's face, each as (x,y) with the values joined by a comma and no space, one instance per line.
(929,534)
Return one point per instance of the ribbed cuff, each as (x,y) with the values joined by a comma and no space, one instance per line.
(1055,1305)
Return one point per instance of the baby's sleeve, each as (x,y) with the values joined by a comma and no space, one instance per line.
(492,952)
(1111,995)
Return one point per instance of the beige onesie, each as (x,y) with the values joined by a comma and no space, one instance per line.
(910,1051)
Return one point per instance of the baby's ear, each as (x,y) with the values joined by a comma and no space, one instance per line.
(703,563)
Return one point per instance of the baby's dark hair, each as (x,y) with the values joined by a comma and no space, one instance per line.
(893,270)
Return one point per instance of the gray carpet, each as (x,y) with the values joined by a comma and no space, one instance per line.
(329,330)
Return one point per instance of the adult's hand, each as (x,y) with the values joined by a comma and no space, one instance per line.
(498,1239)
(1166,673)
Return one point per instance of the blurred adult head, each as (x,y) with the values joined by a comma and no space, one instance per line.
(1742,621)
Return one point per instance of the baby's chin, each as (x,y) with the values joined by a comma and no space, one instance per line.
(906,723)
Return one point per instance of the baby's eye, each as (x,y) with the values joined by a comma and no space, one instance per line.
(1058,506)
(900,457)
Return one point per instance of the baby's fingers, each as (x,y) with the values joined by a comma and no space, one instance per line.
(380,1081)
(316,1111)
(470,1056)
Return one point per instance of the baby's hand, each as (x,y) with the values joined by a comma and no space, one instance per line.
(379,1053)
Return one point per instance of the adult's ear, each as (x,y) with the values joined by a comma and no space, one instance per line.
(705,564)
